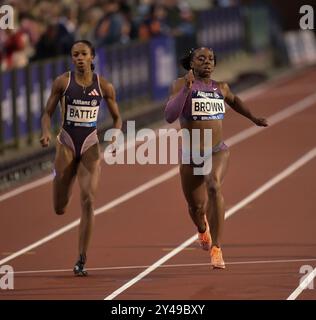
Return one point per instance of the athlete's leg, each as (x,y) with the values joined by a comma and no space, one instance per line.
(215,205)
(193,187)
(65,173)
(88,178)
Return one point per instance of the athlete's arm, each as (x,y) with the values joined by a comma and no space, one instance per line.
(109,96)
(56,93)
(179,93)
(237,104)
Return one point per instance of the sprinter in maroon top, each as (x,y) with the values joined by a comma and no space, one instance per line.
(198,102)
(77,146)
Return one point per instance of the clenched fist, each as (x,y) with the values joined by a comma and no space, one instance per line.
(45,139)
(189,79)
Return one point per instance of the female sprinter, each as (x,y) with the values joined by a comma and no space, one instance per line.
(198,101)
(77,146)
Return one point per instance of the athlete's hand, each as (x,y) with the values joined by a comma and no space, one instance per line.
(45,139)
(261,122)
(189,79)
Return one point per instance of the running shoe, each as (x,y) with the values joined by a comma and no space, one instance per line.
(204,238)
(79,269)
(217,261)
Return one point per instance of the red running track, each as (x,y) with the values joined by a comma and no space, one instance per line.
(265,244)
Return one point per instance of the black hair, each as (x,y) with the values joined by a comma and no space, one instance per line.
(185,61)
(91,47)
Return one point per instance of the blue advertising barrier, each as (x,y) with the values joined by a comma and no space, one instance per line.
(35,97)
(163,66)
(21,101)
(128,71)
(221,29)
(7,109)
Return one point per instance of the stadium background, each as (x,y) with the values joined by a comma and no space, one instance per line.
(139,44)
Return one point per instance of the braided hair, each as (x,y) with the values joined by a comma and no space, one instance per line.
(185,61)
(88,44)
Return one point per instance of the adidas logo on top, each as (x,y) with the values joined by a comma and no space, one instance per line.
(93,93)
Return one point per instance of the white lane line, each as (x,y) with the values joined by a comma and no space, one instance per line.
(276,118)
(303,285)
(239,137)
(142,188)
(184,265)
(269,184)
(26,187)
(288,112)
(245,95)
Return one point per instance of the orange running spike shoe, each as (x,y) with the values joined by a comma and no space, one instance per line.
(204,238)
(217,261)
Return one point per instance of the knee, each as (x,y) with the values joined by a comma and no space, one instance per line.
(59,210)
(197,209)
(213,187)
(87,200)
(60,203)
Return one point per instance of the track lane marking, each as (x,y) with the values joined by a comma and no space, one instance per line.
(302,286)
(259,191)
(168,266)
(237,138)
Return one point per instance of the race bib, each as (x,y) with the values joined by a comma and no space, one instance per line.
(207,106)
(82,115)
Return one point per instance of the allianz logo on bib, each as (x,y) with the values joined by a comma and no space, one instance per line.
(207,95)
(93,102)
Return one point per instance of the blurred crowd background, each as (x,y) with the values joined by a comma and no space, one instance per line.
(47,28)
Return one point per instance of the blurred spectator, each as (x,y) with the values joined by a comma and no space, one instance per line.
(84,6)
(47,46)
(179,17)
(16,49)
(32,26)
(109,28)
(49,27)
(155,23)
(143,8)
(173,18)
(130,25)
(68,18)
(56,40)
(87,28)
(226,3)
(186,26)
